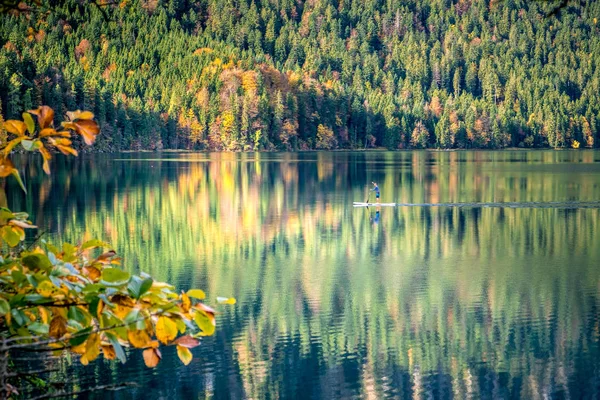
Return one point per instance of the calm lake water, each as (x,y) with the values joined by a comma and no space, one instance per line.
(479,301)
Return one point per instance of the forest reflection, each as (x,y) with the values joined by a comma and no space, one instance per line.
(335,301)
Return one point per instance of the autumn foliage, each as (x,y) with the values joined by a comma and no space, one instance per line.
(77,297)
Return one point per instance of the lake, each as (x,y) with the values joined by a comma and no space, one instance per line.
(475,300)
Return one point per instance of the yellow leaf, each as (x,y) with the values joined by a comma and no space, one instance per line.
(196,293)
(92,272)
(19,231)
(47,132)
(139,339)
(44,315)
(151,357)
(186,303)
(46,166)
(92,347)
(45,116)
(225,300)
(15,127)
(166,329)
(100,309)
(80,349)
(6,167)
(58,327)
(185,355)
(121,311)
(109,352)
(11,145)
(66,150)
(48,289)
(88,129)
(73,115)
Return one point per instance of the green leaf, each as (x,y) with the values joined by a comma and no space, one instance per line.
(69,252)
(80,336)
(37,261)
(90,244)
(39,328)
(137,287)
(140,324)
(77,314)
(5,216)
(93,306)
(19,317)
(115,277)
(204,323)
(52,258)
(196,293)
(17,176)
(93,288)
(52,248)
(18,277)
(4,307)
(37,299)
(29,122)
(17,300)
(27,144)
(10,236)
(75,325)
(131,317)
(112,338)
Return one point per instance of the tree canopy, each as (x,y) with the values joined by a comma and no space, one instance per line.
(259,74)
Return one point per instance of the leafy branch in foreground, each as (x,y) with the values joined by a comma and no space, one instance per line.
(73,298)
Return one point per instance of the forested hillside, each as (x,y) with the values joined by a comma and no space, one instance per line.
(294,74)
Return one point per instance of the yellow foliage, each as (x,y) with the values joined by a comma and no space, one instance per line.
(249,81)
(166,329)
(86,329)
(139,339)
(109,352)
(185,355)
(202,98)
(325,137)
(92,349)
(575,144)
(228,120)
(203,50)
(151,357)
(85,64)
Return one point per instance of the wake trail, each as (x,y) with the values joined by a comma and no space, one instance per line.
(531,204)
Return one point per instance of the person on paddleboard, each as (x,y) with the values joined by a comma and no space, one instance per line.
(376,190)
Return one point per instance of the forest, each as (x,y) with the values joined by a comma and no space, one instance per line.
(244,75)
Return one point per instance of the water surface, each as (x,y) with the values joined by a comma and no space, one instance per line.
(482,300)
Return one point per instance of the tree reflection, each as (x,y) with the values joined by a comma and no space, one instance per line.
(410,301)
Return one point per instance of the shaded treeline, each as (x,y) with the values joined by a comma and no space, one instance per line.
(241,74)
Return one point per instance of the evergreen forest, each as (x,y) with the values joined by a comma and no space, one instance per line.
(241,75)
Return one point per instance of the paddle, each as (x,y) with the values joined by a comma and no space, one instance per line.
(368,196)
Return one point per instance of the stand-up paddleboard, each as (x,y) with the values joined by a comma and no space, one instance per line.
(360,204)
